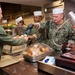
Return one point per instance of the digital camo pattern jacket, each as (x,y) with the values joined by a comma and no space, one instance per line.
(62,36)
(6,39)
(40,33)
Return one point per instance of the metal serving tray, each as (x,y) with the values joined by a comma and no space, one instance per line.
(39,57)
(36,58)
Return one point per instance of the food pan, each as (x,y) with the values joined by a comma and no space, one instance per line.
(13,49)
(37,57)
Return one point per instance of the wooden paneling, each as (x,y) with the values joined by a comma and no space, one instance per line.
(12,11)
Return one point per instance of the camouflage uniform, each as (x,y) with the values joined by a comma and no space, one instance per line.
(62,35)
(39,33)
(20,30)
(7,39)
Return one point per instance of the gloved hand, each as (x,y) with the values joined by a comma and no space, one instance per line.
(31,37)
(26,38)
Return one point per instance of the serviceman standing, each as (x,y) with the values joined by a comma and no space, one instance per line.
(36,33)
(59,31)
(6,39)
(20,26)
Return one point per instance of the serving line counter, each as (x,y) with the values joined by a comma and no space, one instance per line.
(22,68)
(27,62)
(25,67)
